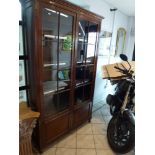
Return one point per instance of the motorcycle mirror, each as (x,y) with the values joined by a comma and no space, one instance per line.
(123,57)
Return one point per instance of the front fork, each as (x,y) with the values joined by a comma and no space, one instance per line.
(123,108)
(127,113)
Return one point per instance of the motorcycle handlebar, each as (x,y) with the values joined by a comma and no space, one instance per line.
(124,71)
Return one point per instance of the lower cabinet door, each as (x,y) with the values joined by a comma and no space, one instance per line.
(56,127)
(81,114)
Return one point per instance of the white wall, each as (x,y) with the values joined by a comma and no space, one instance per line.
(121,20)
(130,37)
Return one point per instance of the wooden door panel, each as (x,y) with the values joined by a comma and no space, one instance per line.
(81,115)
(56,127)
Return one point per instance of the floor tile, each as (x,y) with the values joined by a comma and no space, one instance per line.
(101,142)
(85,141)
(88,139)
(99,128)
(85,129)
(97,117)
(68,141)
(104,152)
(107,119)
(50,151)
(65,151)
(105,110)
(129,153)
(86,152)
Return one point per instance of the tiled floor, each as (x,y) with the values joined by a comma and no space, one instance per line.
(89,139)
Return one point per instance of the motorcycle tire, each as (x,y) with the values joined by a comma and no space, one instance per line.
(115,139)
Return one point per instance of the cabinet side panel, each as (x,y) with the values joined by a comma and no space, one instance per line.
(28,16)
(28,34)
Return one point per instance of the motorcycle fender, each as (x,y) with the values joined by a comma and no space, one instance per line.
(127,114)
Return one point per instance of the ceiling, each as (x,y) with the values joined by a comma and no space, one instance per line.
(125,6)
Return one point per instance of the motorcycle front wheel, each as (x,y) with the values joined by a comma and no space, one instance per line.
(121,135)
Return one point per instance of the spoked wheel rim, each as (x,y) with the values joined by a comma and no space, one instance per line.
(121,133)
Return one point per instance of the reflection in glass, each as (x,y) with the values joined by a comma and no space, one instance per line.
(65,40)
(82,41)
(50,80)
(91,43)
(83,31)
(90,54)
(79,75)
(55,102)
(21,73)
(86,42)
(88,74)
(22,96)
(21,50)
(57,47)
(81,53)
(50,36)
(51,103)
(79,95)
(50,54)
(87,91)
(64,79)
(64,98)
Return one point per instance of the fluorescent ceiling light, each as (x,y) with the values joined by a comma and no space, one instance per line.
(50,10)
(64,15)
(81,29)
(54,37)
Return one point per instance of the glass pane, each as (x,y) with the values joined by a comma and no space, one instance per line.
(55,103)
(21,49)
(79,75)
(78,95)
(64,79)
(91,43)
(92,33)
(50,54)
(50,36)
(90,54)
(65,40)
(22,96)
(64,98)
(51,103)
(50,80)
(87,92)
(81,50)
(88,74)
(83,31)
(21,73)
(82,41)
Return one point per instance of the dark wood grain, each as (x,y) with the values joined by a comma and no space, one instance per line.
(52,126)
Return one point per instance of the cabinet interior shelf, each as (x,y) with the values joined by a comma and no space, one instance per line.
(80,42)
(82,83)
(51,86)
(54,64)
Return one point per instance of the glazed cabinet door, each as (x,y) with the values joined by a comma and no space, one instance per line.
(57,45)
(85,70)
(85,59)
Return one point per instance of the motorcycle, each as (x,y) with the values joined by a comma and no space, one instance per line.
(121,128)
